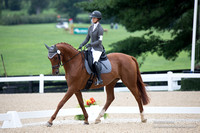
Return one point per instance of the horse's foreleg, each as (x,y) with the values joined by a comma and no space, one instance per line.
(110,98)
(60,105)
(81,103)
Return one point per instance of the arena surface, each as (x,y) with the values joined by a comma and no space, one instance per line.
(115,123)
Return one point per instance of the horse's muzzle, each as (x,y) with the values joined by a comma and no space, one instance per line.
(55,72)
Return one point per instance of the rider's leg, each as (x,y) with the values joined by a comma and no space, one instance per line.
(98,71)
(96,56)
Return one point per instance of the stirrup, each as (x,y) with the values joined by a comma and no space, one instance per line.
(99,82)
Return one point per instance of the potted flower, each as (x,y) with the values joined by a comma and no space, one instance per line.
(89,103)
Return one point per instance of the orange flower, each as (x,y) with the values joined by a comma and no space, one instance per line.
(92,100)
(88,102)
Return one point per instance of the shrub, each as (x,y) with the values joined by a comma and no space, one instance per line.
(81,117)
(27,19)
(190,84)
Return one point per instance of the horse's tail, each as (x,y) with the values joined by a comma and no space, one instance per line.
(141,86)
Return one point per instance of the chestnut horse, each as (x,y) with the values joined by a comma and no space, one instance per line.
(124,67)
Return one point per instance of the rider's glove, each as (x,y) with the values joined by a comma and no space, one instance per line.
(88,45)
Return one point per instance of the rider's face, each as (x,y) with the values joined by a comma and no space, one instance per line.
(94,20)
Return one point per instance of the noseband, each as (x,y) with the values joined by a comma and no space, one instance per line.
(60,62)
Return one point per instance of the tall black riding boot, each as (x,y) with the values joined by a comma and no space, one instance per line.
(98,71)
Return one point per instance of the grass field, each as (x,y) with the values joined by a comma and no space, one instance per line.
(24,53)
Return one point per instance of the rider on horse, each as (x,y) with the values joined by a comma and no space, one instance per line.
(95,32)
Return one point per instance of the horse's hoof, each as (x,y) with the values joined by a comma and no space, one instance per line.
(86,123)
(49,124)
(144,120)
(97,121)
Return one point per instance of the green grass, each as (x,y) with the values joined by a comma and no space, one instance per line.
(155,63)
(24,53)
(11,13)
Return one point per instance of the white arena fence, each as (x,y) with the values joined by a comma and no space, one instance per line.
(171,78)
(12,119)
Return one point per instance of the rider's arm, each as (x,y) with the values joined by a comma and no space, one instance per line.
(85,41)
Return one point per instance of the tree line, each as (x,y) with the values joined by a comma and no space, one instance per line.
(173,16)
(37,6)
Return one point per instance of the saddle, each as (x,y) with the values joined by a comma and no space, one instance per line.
(105,66)
(104,61)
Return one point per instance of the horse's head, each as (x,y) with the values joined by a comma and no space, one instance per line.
(55,58)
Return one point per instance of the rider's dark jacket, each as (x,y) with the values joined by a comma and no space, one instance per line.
(96,42)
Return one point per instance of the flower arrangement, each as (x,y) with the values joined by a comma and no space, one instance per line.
(88,103)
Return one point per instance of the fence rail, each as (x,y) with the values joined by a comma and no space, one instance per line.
(12,119)
(171,79)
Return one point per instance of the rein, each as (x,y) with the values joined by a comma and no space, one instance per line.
(60,63)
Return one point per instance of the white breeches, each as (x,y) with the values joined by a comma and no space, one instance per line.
(96,55)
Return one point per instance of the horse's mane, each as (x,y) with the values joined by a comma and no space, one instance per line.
(68,45)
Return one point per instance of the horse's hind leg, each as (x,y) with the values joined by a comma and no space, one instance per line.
(132,86)
(110,98)
(81,103)
(139,101)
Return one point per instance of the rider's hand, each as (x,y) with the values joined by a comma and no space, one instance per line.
(80,47)
(88,45)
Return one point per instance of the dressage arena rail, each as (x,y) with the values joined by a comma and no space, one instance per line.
(170,77)
(13,119)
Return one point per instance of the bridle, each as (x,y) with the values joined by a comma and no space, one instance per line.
(60,62)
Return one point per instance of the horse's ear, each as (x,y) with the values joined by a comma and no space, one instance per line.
(47,46)
(55,48)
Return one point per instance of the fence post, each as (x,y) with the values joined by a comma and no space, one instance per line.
(92,111)
(41,89)
(14,122)
(169,81)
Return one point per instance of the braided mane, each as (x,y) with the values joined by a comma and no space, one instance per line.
(68,45)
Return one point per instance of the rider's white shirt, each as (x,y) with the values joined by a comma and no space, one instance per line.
(95,26)
(96,54)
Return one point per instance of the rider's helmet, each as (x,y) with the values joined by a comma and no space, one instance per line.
(96,14)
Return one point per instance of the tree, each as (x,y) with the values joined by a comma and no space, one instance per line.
(68,6)
(14,4)
(11,4)
(174,16)
(1,6)
(6,3)
(37,6)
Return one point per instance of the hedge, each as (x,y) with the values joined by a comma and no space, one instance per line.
(190,84)
(28,19)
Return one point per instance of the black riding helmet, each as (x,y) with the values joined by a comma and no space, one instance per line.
(96,14)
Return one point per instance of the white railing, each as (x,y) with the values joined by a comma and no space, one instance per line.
(12,119)
(171,79)
(41,78)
